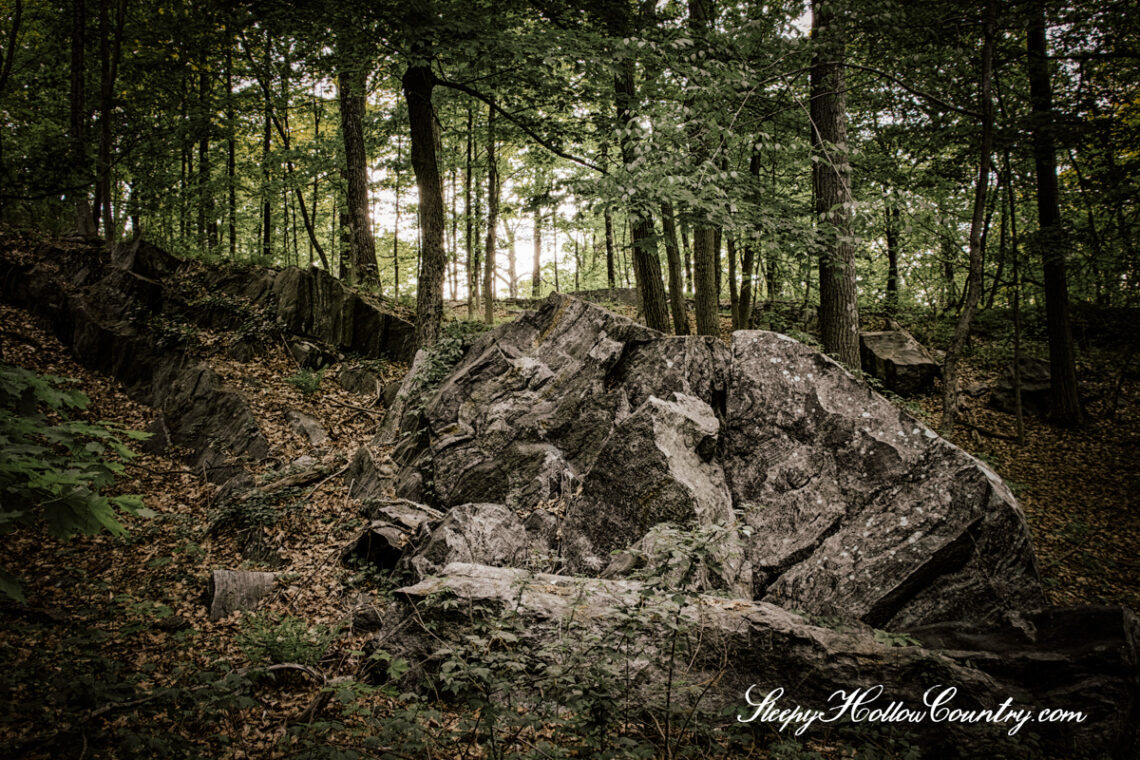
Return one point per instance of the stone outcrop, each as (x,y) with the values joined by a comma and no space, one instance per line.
(900,361)
(853,507)
(1079,659)
(312,303)
(1036,385)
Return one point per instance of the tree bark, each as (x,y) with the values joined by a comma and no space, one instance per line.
(469,220)
(352,85)
(733,293)
(611,277)
(1065,407)
(492,221)
(676,285)
(418,83)
(536,277)
(706,278)
(84,221)
(892,298)
(974,279)
(831,183)
(231,152)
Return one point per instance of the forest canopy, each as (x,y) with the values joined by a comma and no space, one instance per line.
(865,157)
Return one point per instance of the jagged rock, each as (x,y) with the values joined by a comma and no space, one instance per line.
(211,420)
(360,380)
(312,302)
(900,361)
(309,355)
(855,508)
(369,476)
(101,315)
(858,508)
(657,466)
(307,426)
(745,643)
(1036,384)
(480,533)
(143,258)
(380,545)
(233,590)
(407,514)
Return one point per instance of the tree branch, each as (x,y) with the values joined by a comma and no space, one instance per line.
(525,128)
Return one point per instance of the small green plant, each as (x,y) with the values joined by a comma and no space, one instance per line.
(306,380)
(270,640)
(447,351)
(53,468)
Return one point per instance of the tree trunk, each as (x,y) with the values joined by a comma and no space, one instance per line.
(608,218)
(831,183)
(396,228)
(84,221)
(892,260)
(536,277)
(646,263)
(469,220)
(492,220)
(352,83)
(266,207)
(418,83)
(1065,407)
(706,278)
(676,286)
(747,288)
(110,45)
(231,153)
(974,279)
(733,293)
(207,228)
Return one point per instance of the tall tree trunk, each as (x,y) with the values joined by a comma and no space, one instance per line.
(974,279)
(352,84)
(892,218)
(207,227)
(396,229)
(536,276)
(418,82)
(84,221)
(110,45)
(231,152)
(831,183)
(677,304)
(266,207)
(686,251)
(454,238)
(646,263)
(469,219)
(1065,407)
(608,218)
(706,277)
(512,265)
(733,293)
(492,220)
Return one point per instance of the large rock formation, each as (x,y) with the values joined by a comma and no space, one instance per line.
(1077,659)
(854,507)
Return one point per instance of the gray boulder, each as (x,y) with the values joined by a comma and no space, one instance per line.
(856,507)
(480,533)
(900,361)
(756,644)
(1036,387)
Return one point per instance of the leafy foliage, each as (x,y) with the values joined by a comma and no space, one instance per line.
(306,380)
(54,469)
(271,640)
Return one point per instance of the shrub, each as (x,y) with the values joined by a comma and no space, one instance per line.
(54,468)
(266,639)
(306,380)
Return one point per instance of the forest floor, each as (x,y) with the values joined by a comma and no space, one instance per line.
(114,653)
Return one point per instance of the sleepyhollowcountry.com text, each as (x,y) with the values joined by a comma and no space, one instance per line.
(858,706)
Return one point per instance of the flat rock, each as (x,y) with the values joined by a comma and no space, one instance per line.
(306,425)
(900,361)
(760,645)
